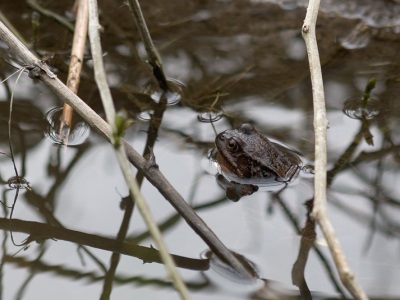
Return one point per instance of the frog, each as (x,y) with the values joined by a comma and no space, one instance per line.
(245,155)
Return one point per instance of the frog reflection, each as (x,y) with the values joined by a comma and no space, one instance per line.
(248,159)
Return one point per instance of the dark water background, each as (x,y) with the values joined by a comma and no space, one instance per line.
(251,55)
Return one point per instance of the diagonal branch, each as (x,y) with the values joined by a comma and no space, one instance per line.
(153,175)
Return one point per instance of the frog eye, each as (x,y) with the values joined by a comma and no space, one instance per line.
(233,146)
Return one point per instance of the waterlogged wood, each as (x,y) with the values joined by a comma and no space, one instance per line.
(40,232)
(320,180)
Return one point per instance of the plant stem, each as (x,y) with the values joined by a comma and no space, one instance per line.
(75,67)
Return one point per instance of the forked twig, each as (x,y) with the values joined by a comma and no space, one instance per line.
(320,180)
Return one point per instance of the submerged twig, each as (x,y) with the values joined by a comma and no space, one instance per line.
(121,155)
(50,14)
(320,254)
(345,158)
(75,67)
(320,180)
(42,231)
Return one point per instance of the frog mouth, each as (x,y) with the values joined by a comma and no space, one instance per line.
(227,167)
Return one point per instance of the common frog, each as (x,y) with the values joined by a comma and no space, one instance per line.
(247,156)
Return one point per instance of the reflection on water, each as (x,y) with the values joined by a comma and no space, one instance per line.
(354,108)
(210,117)
(232,63)
(78,134)
(225,270)
(358,38)
(174,94)
(17,182)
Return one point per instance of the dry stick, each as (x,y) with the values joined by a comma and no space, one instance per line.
(152,174)
(320,125)
(75,67)
(134,190)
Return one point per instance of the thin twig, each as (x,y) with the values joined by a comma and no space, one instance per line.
(152,53)
(75,67)
(134,190)
(153,175)
(17,177)
(320,180)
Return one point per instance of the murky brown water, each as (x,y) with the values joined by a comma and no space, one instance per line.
(250,57)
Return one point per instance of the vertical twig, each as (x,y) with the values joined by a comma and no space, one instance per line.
(75,67)
(158,72)
(320,125)
(121,155)
(152,53)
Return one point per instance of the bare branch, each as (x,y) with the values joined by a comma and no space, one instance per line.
(320,125)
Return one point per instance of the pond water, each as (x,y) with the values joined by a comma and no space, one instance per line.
(233,61)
